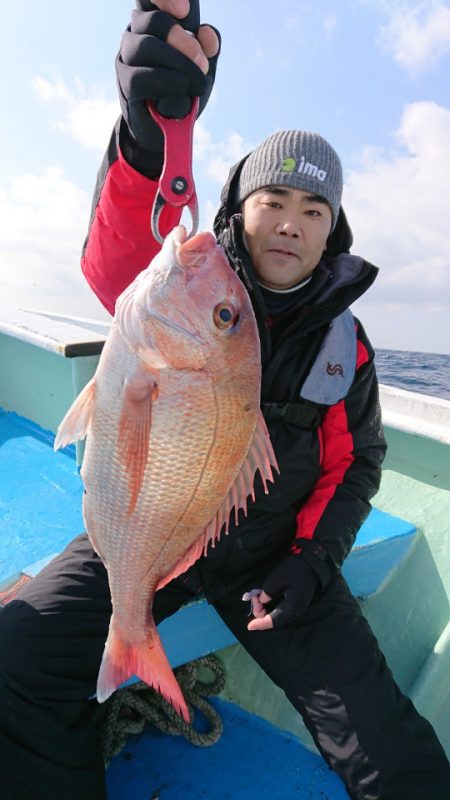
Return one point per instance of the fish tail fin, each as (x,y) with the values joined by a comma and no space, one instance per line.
(147,660)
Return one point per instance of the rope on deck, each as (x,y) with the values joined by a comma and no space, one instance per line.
(130,709)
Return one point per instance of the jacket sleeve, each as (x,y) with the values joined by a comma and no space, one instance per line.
(353,448)
(119,243)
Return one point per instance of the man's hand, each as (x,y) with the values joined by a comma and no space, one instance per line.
(285,596)
(161,61)
(199,49)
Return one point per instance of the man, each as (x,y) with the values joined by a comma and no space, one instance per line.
(284,232)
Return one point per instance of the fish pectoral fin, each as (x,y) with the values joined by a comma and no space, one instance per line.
(133,442)
(260,458)
(76,422)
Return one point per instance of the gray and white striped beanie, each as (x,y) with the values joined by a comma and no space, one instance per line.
(299,159)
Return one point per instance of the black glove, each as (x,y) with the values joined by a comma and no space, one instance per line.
(147,68)
(286,594)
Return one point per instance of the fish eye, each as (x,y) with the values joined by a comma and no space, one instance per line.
(225,316)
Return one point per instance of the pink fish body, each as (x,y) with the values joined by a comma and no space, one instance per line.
(174,438)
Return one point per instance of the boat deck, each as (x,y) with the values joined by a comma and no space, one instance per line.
(40,495)
(253,759)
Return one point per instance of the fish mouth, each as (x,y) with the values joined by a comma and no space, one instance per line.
(170,323)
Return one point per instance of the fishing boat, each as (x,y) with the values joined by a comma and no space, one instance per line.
(399,569)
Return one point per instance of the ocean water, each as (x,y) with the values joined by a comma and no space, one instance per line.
(426,373)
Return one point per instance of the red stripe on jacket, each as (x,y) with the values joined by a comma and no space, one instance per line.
(336,446)
(362,356)
(120,241)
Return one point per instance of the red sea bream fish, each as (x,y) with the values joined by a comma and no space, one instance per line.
(174,438)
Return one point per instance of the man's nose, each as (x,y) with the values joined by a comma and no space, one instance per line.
(289,226)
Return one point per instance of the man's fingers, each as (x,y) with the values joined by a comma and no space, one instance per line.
(258,609)
(262,619)
(198,48)
(176,8)
(261,624)
(188,45)
(259,604)
(209,40)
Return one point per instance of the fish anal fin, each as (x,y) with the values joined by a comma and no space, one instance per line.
(133,442)
(146,659)
(75,424)
(260,458)
(189,558)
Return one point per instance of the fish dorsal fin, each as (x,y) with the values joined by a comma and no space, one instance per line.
(133,440)
(75,424)
(260,457)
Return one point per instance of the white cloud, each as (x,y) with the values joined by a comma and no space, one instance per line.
(44,222)
(417,37)
(85,114)
(212,162)
(51,91)
(399,207)
(217,157)
(329,24)
(405,327)
(45,216)
(208,212)
(293,22)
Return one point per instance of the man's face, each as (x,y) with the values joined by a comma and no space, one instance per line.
(286,232)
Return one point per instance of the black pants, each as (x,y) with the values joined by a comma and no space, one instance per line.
(330,666)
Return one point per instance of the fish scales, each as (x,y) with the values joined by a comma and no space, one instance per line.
(173,430)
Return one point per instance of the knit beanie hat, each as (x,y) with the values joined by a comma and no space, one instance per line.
(298,159)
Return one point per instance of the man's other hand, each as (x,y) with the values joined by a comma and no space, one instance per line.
(285,596)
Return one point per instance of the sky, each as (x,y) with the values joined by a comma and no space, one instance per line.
(372,76)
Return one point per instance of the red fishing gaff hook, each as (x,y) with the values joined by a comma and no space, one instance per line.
(176,184)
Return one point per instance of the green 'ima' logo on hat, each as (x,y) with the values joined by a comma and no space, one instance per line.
(303,167)
(288,165)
